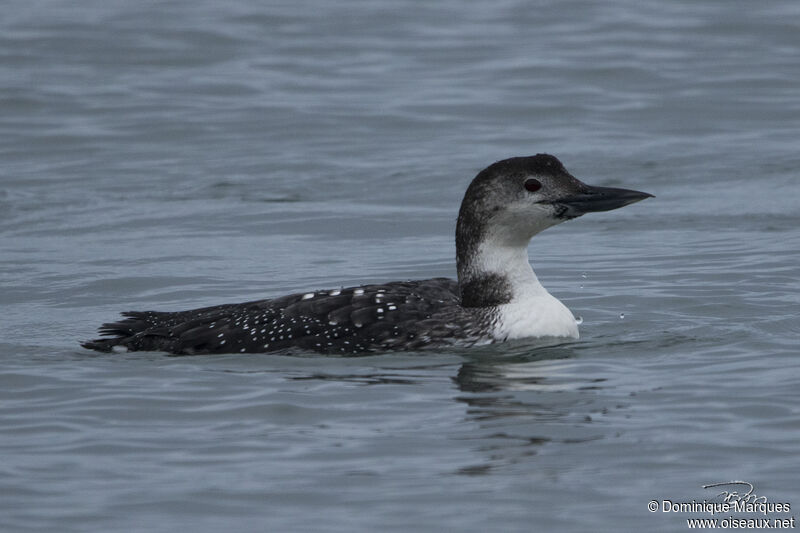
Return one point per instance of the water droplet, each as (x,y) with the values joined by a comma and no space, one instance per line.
(579,320)
(621,316)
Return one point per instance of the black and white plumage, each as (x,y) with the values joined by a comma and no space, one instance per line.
(497,295)
(401,315)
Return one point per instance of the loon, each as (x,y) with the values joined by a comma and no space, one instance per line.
(497,296)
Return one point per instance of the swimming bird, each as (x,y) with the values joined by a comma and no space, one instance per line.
(497,296)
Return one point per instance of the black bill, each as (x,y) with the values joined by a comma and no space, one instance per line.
(592,199)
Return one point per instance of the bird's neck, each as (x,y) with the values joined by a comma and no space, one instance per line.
(494,273)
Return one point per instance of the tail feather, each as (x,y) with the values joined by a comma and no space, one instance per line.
(139,330)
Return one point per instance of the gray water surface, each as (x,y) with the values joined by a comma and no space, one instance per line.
(171,155)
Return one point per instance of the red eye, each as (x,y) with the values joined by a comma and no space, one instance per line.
(532,185)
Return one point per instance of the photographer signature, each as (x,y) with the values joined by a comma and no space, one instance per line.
(734,496)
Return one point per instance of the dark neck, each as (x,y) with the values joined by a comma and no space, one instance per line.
(488,290)
(478,286)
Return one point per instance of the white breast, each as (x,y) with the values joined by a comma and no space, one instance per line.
(539,315)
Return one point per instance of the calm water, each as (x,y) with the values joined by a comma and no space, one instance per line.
(169,155)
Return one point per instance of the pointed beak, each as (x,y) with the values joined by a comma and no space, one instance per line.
(591,199)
